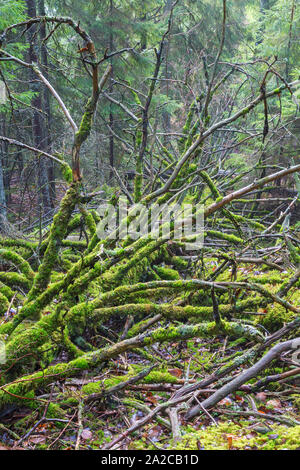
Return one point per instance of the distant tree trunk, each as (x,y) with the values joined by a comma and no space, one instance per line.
(2,194)
(47,108)
(144,33)
(166,114)
(111,116)
(287,67)
(4,171)
(264,5)
(37,121)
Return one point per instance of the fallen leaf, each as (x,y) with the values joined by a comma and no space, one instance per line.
(37,440)
(175,372)
(238,398)
(229,439)
(274,403)
(261,396)
(152,400)
(226,401)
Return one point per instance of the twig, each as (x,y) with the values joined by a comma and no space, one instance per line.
(32,149)
(173,415)
(80,425)
(121,385)
(242,378)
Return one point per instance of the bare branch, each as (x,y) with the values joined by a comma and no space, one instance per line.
(31,149)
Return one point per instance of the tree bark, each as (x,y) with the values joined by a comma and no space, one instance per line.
(47,107)
(2,195)
(111,116)
(38,125)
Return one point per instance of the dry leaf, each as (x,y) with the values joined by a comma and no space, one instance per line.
(274,403)
(229,439)
(152,399)
(238,398)
(175,372)
(37,440)
(226,401)
(261,396)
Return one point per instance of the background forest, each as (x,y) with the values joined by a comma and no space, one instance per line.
(256,33)
(142,343)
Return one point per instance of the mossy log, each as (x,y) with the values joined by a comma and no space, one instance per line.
(25,387)
(20,263)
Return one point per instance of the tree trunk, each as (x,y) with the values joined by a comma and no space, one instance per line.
(111,116)
(166,114)
(2,194)
(287,69)
(38,124)
(47,108)
(264,5)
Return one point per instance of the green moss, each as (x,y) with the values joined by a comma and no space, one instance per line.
(98,387)
(293,252)
(15,280)
(138,181)
(250,222)
(131,270)
(91,388)
(216,438)
(179,262)
(65,168)
(16,243)
(57,233)
(67,173)
(74,223)
(89,221)
(4,304)
(288,439)
(157,377)
(86,123)
(167,273)
(271,277)
(275,317)
(187,127)
(70,401)
(203,330)
(245,111)
(224,236)
(21,264)
(6,291)
(296,401)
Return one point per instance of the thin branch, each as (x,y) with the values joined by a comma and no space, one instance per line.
(31,149)
(242,378)
(54,93)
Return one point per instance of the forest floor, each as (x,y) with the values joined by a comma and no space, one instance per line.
(265,419)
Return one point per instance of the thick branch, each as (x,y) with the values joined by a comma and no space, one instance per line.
(242,378)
